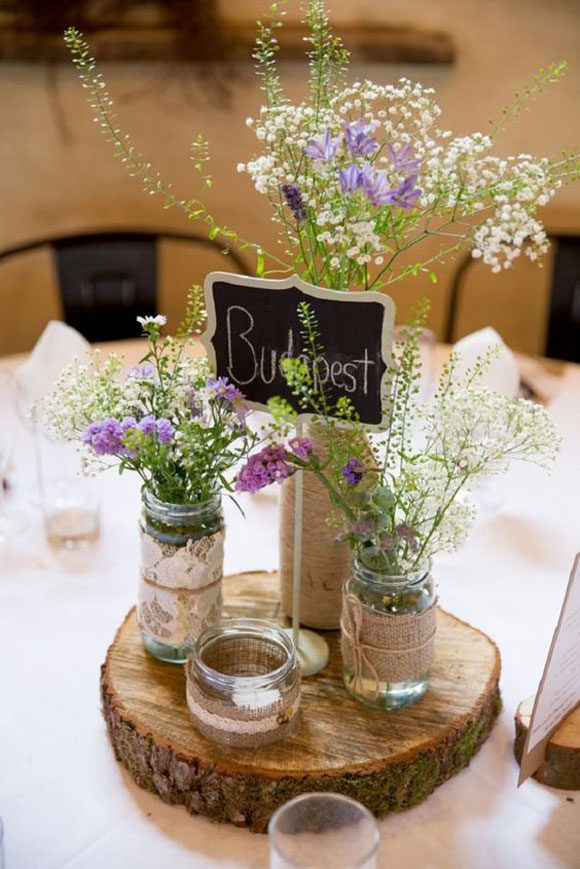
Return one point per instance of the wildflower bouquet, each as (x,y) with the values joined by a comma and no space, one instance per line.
(400,503)
(168,419)
(361,176)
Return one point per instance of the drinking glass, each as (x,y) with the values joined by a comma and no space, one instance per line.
(2,862)
(71,513)
(316,830)
(12,520)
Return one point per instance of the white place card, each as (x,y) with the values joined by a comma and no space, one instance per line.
(559,691)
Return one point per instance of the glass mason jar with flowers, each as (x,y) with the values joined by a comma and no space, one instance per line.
(404,501)
(181,430)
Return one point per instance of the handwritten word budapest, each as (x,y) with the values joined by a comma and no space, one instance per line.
(253,325)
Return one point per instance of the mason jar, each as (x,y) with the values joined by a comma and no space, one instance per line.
(243,683)
(388,635)
(180,586)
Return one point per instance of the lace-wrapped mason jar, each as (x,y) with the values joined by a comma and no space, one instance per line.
(388,635)
(180,587)
(243,683)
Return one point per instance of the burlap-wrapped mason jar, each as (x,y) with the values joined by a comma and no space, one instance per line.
(388,629)
(180,586)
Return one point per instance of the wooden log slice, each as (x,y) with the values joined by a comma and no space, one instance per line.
(387,760)
(561,765)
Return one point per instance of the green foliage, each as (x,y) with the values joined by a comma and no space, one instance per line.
(327,57)
(151,181)
(283,414)
(543,78)
(195,314)
(265,52)
(400,410)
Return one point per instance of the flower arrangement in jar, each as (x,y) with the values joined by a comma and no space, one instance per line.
(403,501)
(169,420)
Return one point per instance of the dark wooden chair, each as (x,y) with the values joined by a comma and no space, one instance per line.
(563,332)
(106,279)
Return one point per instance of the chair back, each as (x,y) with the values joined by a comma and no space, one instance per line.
(557,303)
(108,278)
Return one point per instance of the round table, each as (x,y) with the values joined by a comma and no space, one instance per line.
(66,802)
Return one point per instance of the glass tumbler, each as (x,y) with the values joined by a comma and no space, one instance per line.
(12,519)
(71,513)
(323,830)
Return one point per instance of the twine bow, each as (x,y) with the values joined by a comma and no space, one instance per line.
(352,631)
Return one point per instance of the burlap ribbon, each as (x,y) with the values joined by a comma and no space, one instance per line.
(382,647)
(245,717)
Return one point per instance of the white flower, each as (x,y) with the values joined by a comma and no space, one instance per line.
(158,320)
(458,176)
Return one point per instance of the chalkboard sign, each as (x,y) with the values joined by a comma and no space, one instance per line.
(253,325)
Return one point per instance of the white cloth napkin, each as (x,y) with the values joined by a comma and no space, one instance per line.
(503,375)
(57,346)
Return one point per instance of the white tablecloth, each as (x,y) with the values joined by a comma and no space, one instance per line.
(67,803)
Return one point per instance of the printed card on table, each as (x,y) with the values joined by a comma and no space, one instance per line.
(559,691)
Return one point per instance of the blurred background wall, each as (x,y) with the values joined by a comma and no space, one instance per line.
(59,175)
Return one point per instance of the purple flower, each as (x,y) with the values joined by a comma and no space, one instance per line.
(126,424)
(162,428)
(294,201)
(322,148)
(267,466)
(362,528)
(404,160)
(222,388)
(406,533)
(376,186)
(148,426)
(406,194)
(165,431)
(359,142)
(353,471)
(104,437)
(144,371)
(350,179)
(301,447)
(387,542)
(379,192)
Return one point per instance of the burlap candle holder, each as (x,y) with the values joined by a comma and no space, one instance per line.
(243,683)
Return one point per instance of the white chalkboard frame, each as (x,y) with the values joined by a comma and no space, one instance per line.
(309,291)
